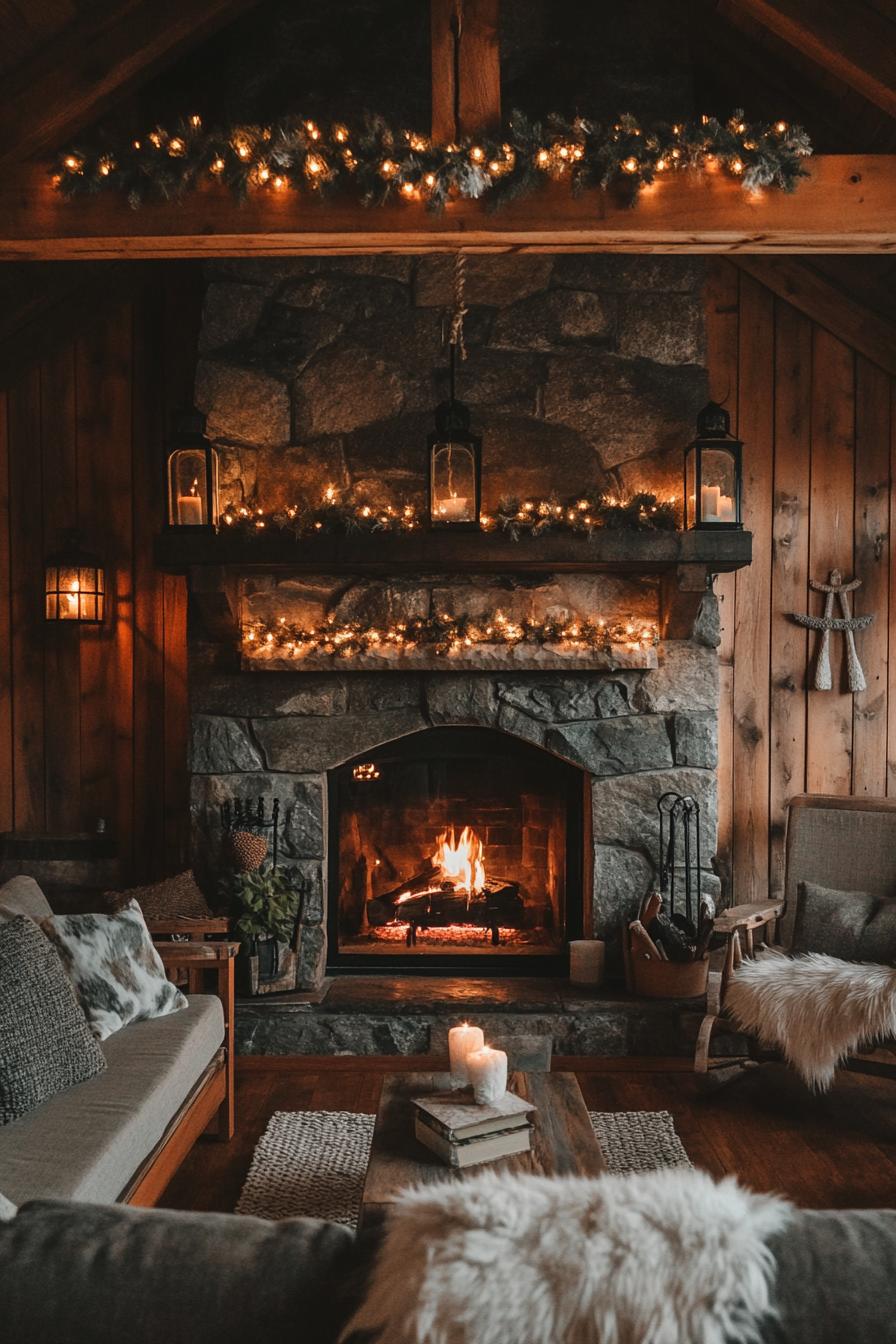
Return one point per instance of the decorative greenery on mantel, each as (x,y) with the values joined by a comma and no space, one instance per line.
(374,163)
(581,516)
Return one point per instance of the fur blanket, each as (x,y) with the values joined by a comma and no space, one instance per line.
(667,1257)
(814,1008)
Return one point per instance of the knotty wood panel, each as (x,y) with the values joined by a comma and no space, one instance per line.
(819,423)
(93,722)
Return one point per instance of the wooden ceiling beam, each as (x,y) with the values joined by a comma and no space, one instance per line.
(828,305)
(73,79)
(847,203)
(466,69)
(853,41)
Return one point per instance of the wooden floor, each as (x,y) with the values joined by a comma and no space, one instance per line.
(837,1151)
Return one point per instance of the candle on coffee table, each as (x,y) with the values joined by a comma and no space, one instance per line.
(488,1074)
(462,1041)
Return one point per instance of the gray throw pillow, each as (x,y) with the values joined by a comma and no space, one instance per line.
(22,896)
(878,938)
(45,1044)
(830,921)
(116,971)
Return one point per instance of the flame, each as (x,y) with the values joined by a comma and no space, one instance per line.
(460,861)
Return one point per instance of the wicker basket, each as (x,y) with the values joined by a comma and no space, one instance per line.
(669,979)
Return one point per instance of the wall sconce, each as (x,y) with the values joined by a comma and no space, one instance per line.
(192,474)
(713,473)
(75,586)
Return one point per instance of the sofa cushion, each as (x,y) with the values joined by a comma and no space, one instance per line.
(831,921)
(22,896)
(877,941)
(95,1275)
(87,1143)
(45,1044)
(117,973)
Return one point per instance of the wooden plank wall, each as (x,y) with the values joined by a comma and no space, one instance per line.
(819,426)
(93,721)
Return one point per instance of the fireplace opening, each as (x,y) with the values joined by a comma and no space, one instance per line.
(455,848)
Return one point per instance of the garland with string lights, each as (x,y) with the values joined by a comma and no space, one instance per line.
(375,163)
(444,635)
(581,516)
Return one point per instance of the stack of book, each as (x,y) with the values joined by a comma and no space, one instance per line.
(464,1134)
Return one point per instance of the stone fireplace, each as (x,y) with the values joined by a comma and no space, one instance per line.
(583,373)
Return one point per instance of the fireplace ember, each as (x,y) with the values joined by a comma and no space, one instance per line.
(453,890)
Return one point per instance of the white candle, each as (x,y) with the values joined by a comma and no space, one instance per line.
(189,510)
(454,508)
(709,503)
(488,1074)
(461,1042)
(586,961)
(726,509)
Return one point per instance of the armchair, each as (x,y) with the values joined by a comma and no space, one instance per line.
(845,844)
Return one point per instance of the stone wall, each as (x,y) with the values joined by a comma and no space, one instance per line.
(583,372)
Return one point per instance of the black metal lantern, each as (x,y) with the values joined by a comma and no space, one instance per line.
(713,473)
(192,475)
(75,586)
(455,469)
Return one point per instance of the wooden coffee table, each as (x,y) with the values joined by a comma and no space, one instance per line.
(563,1140)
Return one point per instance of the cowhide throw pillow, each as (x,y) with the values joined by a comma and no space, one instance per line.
(116,971)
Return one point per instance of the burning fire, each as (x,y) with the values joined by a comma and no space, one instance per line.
(460,861)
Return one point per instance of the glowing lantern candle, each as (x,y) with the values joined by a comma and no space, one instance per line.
(463,1041)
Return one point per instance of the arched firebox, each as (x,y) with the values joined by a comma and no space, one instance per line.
(455,848)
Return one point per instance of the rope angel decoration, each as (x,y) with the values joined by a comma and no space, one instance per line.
(847,624)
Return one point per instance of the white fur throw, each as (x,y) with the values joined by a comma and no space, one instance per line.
(814,1008)
(666,1257)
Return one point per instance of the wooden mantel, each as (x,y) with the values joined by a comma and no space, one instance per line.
(848,203)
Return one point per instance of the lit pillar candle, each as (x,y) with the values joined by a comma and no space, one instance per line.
(454,508)
(488,1074)
(461,1041)
(586,961)
(709,503)
(189,510)
(726,509)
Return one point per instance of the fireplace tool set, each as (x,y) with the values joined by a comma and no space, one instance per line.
(666,948)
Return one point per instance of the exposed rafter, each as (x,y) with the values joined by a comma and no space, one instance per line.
(108,49)
(851,40)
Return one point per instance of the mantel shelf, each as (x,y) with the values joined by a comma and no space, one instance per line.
(608,551)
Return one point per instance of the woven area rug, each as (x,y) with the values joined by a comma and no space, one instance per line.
(311,1164)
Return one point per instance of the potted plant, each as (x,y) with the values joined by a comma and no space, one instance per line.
(267,904)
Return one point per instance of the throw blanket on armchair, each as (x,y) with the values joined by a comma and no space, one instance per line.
(665,1257)
(814,1008)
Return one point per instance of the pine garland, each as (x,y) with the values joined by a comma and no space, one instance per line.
(581,516)
(444,635)
(375,163)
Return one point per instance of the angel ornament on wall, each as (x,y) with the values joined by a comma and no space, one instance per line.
(845,623)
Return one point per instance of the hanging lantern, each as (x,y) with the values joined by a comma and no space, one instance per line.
(454,475)
(75,586)
(192,475)
(713,473)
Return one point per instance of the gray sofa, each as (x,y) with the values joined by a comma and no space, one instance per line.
(96,1142)
(83,1274)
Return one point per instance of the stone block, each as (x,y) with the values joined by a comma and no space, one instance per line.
(708,625)
(222,745)
(495,280)
(624,808)
(621,274)
(525,456)
(555,318)
(461,699)
(287,338)
(312,959)
(351,298)
(622,877)
(614,746)
(384,691)
(230,313)
(567,699)
(511,720)
(696,738)
(290,693)
(343,388)
(668,328)
(687,678)
(301,600)
(621,406)
(300,474)
(380,603)
(313,905)
(243,404)
(306,745)
(503,380)
(301,812)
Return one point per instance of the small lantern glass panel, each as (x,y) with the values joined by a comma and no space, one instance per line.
(192,475)
(712,473)
(454,470)
(75,589)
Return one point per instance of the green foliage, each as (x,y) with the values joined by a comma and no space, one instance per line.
(267,902)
